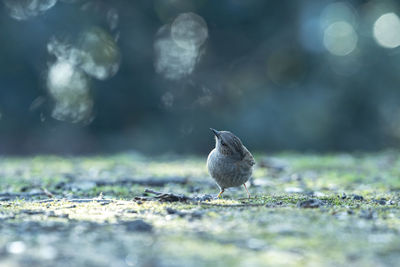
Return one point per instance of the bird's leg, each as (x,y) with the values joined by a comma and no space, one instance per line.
(248,194)
(220,193)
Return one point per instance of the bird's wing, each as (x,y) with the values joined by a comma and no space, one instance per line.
(248,157)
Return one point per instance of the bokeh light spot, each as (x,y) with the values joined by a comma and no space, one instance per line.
(168,99)
(340,38)
(112,18)
(178,51)
(167,9)
(386,30)
(189,31)
(172,61)
(25,9)
(61,74)
(338,11)
(94,51)
(69,88)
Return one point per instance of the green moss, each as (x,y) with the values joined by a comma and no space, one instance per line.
(268,229)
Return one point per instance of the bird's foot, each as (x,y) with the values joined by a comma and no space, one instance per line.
(220,194)
(248,194)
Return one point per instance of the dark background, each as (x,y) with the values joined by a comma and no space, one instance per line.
(265,74)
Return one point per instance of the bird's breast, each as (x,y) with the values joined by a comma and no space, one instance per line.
(227,171)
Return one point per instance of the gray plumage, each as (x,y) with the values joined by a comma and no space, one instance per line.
(229,163)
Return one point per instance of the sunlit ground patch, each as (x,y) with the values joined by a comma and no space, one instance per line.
(345,210)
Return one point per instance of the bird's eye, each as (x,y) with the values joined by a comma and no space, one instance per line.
(222,143)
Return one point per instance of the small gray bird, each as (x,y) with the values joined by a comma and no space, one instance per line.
(229,163)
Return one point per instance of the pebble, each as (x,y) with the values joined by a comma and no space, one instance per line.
(368,214)
(381,201)
(138,226)
(358,197)
(310,203)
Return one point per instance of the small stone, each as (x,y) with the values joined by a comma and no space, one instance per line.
(350,212)
(197,214)
(60,185)
(358,197)
(171,210)
(138,226)
(205,197)
(52,214)
(310,203)
(25,188)
(33,212)
(368,214)
(194,189)
(381,201)
(274,204)
(131,211)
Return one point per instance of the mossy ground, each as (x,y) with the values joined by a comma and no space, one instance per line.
(55,211)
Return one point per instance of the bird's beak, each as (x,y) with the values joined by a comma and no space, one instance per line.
(216,133)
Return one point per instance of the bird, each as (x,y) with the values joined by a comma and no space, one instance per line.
(230,164)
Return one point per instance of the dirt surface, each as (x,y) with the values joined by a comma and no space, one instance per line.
(131,210)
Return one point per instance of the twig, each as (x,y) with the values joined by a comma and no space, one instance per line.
(87,200)
(47,193)
(169,197)
(23,195)
(231,205)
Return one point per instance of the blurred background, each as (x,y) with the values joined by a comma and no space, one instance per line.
(90,76)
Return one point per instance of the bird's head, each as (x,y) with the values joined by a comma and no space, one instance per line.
(228,144)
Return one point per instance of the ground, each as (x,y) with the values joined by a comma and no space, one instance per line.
(305,210)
